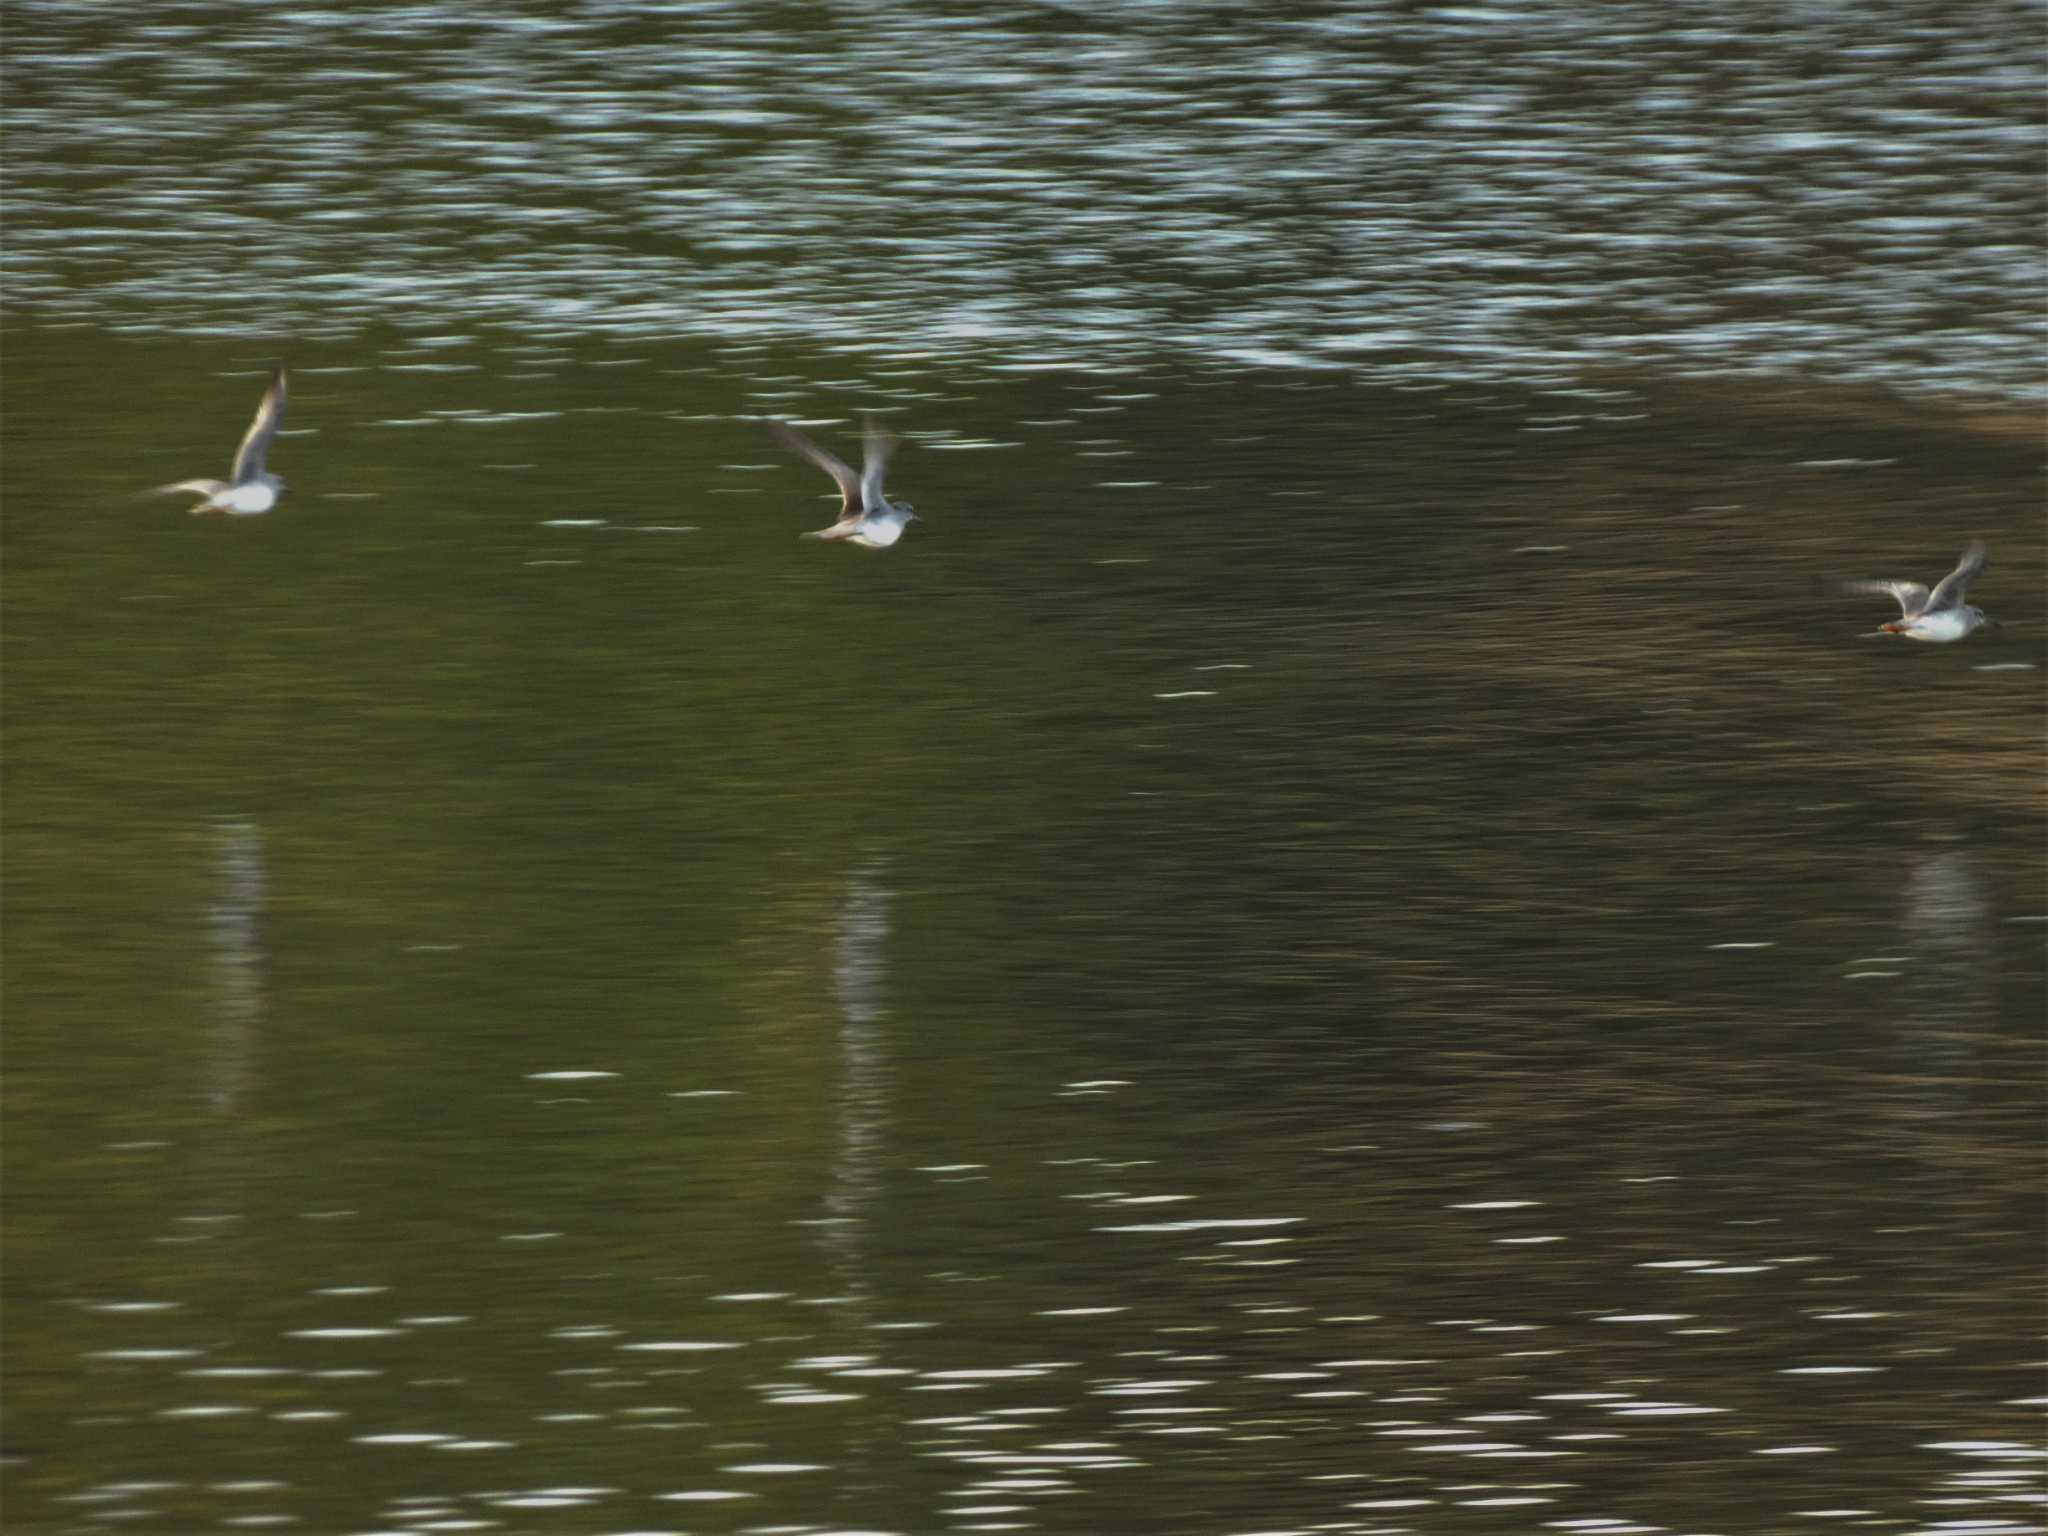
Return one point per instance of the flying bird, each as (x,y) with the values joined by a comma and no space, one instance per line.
(867,517)
(1940,615)
(249,488)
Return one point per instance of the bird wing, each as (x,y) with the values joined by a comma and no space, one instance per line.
(256,441)
(1911,595)
(848,483)
(1949,592)
(845,528)
(877,444)
(198,487)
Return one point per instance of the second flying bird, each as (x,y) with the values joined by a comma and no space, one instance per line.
(867,517)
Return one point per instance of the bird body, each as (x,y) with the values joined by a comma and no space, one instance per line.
(867,516)
(1949,624)
(1939,616)
(247,500)
(250,489)
(877,530)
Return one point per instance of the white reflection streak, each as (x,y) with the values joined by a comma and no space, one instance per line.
(1948,992)
(1947,924)
(236,923)
(1945,909)
(858,968)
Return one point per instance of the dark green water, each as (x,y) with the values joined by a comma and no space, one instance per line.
(1193,995)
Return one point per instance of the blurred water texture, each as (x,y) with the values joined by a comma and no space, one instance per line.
(1343,939)
(1393,187)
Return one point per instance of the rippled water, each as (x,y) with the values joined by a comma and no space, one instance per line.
(1350,950)
(1474,190)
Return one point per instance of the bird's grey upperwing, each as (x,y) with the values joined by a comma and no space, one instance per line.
(1949,591)
(848,482)
(256,441)
(877,444)
(198,487)
(1912,597)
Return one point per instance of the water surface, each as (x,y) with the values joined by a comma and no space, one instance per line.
(1491,190)
(1322,948)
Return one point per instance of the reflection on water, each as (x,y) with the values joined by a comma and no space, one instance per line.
(859,968)
(1468,190)
(235,921)
(1947,918)
(1952,991)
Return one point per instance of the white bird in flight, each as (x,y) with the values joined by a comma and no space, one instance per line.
(1940,615)
(866,516)
(250,488)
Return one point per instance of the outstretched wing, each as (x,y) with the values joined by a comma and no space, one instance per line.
(1911,595)
(848,483)
(876,445)
(1951,588)
(197,487)
(256,441)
